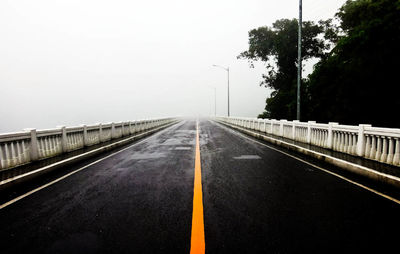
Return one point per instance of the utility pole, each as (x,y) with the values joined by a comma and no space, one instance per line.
(299,61)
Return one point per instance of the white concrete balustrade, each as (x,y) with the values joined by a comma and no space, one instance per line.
(379,144)
(30,145)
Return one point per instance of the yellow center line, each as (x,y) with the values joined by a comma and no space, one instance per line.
(197,242)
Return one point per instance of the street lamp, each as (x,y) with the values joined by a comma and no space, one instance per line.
(227,69)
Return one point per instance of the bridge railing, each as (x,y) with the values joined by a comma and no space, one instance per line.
(30,145)
(380,144)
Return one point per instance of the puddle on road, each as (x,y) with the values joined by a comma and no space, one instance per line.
(247,157)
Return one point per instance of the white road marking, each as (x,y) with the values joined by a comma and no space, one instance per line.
(183,148)
(247,157)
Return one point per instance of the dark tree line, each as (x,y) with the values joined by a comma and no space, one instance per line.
(357,78)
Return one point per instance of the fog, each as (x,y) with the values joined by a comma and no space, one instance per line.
(80,61)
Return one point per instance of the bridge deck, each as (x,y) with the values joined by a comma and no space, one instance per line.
(140,200)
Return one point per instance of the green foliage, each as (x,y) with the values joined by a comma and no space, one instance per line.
(277,46)
(358,81)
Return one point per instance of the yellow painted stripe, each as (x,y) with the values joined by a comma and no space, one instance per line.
(197,242)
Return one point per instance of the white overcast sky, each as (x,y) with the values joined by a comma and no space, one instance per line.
(86,61)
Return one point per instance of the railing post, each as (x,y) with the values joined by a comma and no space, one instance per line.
(309,131)
(85,136)
(141,128)
(281,122)
(361,139)
(273,123)
(295,122)
(390,151)
(396,157)
(133,127)
(330,134)
(100,133)
(112,130)
(64,145)
(265,125)
(130,127)
(34,151)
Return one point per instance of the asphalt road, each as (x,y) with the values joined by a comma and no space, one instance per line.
(256,200)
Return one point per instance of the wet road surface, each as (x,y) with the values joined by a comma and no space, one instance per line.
(256,200)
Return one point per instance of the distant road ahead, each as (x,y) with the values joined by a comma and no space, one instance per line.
(255,200)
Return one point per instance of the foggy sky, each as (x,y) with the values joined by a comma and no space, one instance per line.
(80,61)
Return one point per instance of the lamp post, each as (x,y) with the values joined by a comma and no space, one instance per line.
(227,69)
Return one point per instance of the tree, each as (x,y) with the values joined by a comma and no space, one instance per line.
(277,47)
(358,80)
